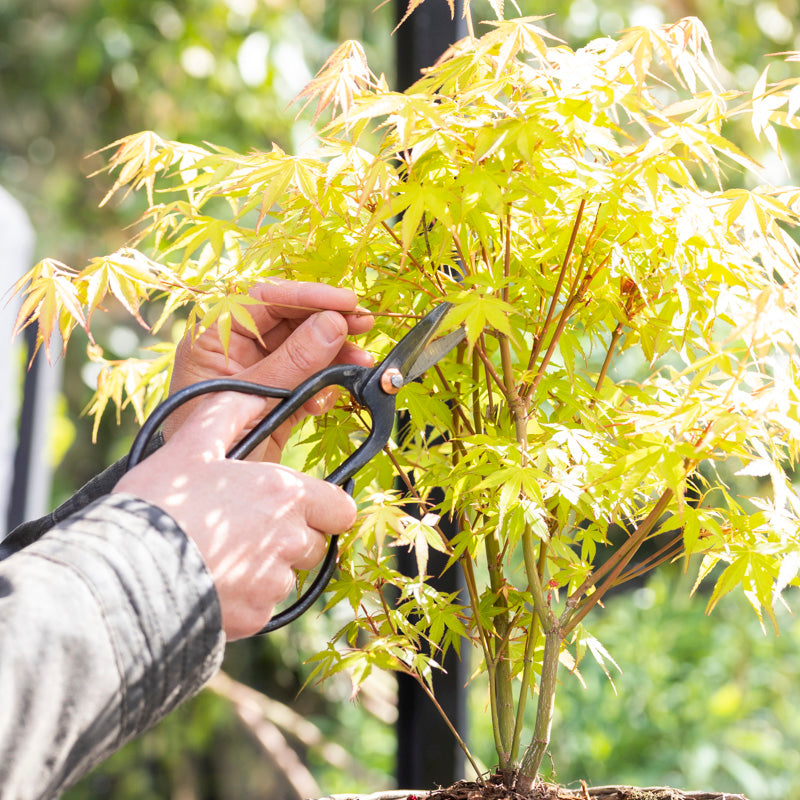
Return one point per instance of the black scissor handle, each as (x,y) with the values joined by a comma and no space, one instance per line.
(183,396)
(291,401)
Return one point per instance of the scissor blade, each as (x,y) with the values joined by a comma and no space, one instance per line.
(434,353)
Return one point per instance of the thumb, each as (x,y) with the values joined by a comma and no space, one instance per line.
(309,348)
(218,422)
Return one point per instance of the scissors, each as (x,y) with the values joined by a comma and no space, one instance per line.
(374,388)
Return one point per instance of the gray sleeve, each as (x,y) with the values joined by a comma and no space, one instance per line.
(107,622)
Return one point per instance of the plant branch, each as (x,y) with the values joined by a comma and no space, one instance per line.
(577,290)
(261,715)
(386,612)
(670,551)
(614,566)
(502,694)
(461,743)
(286,719)
(527,668)
(515,402)
(490,396)
(468,18)
(472,591)
(457,410)
(477,418)
(532,760)
(539,340)
(388,228)
(612,346)
(534,569)
(491,371)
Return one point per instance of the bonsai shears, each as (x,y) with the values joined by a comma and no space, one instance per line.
(375,389)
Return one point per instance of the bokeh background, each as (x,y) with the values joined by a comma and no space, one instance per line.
(699,702)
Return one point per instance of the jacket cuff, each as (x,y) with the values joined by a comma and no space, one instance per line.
(150,627)
(165,619)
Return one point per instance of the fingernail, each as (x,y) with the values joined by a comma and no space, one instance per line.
(329,326)
(326,400)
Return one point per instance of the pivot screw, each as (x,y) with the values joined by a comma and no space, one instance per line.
(392,381)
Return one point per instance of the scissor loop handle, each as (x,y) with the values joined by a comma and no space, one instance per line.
(347,376)
(185,395)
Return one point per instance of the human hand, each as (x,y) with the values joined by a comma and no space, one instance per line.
(253,523)
(301,333)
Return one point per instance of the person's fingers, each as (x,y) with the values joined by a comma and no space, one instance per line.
(328,508)
(249,608)
(220,421)
(319,404)
(310,551)
(217,423)
(313,346)
(280,300)
(353,354)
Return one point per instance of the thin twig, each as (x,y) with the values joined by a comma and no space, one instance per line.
(669,552)
(461,743)
(472,590)
(456,406)
(253,709)
(615,337)
(623,557)
(490,395)
(358,312)
(491,371)
(575,296)
(539,340)
(396,238)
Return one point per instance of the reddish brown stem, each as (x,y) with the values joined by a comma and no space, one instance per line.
(539,340)
(618,562)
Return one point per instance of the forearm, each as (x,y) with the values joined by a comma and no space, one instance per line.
(106,623)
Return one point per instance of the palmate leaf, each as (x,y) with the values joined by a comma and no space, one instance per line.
(414,4)
(142,157)
(420,536)
(129,276)
(584,642)
(513,36)
(475,311)
(138,383)
(342,78)
(51,299)
(226,310)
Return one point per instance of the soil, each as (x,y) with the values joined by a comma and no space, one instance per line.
(493,789)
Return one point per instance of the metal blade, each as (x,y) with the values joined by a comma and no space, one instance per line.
(434,353)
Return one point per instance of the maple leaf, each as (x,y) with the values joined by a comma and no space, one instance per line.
(342,77)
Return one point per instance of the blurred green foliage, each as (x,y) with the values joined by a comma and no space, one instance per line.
(701,701)
(77,74)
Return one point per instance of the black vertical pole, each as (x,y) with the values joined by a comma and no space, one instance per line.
(424,36)
(427,753)
(23,457)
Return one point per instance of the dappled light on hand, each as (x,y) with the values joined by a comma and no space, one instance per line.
(253,523)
